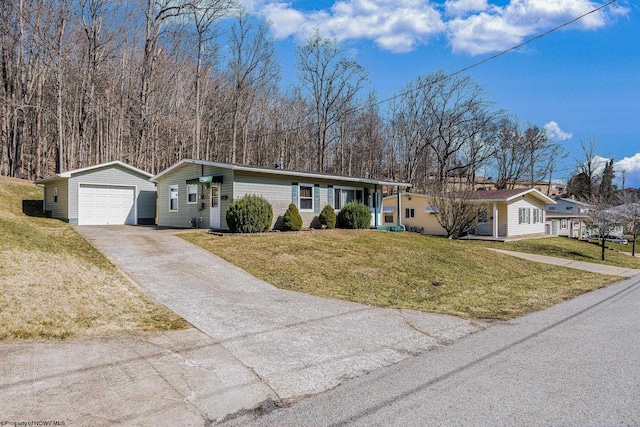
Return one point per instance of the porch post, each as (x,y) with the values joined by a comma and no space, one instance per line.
(375,204)
(495,220)
(399,206)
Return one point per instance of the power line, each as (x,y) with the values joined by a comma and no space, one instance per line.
(365,106)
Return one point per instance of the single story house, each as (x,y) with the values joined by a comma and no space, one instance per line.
(501,213)
(108,193)
(567,218)
(197,193)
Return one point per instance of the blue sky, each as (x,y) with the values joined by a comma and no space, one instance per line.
(581,82)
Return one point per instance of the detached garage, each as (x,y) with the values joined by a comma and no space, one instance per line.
(105,194)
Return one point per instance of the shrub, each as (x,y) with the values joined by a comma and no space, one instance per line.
(292,221)
(328,217)
(249,214)
(354,215)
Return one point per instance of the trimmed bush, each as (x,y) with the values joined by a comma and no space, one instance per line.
(354,215)
(292,221)
(327,217)
(249,214)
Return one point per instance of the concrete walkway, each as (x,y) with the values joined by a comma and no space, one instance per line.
(579,265)
(262,344)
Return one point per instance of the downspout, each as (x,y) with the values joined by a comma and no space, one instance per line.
(375,204)
(399,207)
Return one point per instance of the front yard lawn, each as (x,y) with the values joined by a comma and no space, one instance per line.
(564,247)
(397,270)
(53,284)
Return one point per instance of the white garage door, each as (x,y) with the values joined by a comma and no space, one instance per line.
(102,204)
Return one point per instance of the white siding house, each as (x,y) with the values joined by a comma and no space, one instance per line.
(108,193)
(567,218)
(216,185)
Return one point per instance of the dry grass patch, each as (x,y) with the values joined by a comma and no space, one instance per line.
(53,284)
(397,270)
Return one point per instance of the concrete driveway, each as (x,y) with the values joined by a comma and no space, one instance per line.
(292,343)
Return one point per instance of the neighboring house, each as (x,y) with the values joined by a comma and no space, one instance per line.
(197,193)
(501,213)
(567,218)
(416,214)
(109,193)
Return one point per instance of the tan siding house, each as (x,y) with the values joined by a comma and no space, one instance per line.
(216,185)
(501,213)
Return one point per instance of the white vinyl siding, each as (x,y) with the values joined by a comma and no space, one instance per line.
(519,216)
(173,198)
(192,193)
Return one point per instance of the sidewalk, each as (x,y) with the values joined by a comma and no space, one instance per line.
(579,265)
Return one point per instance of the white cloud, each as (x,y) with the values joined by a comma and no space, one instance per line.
(500,28)
(629,164)
(556,133)
(631,168)
(472,26)
(463,7)
(395,25)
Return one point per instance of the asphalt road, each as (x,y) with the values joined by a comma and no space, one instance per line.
(575,364)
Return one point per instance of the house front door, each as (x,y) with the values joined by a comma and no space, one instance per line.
(214,211)
(554,228)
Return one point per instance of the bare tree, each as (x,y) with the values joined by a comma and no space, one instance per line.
(602,220)
(204,14)
(332,82)
(631,220)
(455,211)
(589,171)
(252,69)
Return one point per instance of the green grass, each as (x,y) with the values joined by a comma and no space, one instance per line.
(397,270)
(564,247)
(53,284)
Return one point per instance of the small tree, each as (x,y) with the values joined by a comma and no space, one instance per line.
(632,219)
(354,215)
(292,221)
(602,220)
(455,212)
(327,217)
(249,214)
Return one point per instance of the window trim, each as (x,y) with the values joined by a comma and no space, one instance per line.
(191,186)
(177,198)
(390,218)
(524,215)
(564,224)
(55,195)
(300,198)
(538,216)
(342,187)
(409,213)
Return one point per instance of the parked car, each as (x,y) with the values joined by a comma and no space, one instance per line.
(616,239)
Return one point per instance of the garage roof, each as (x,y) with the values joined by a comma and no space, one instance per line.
(69,174)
